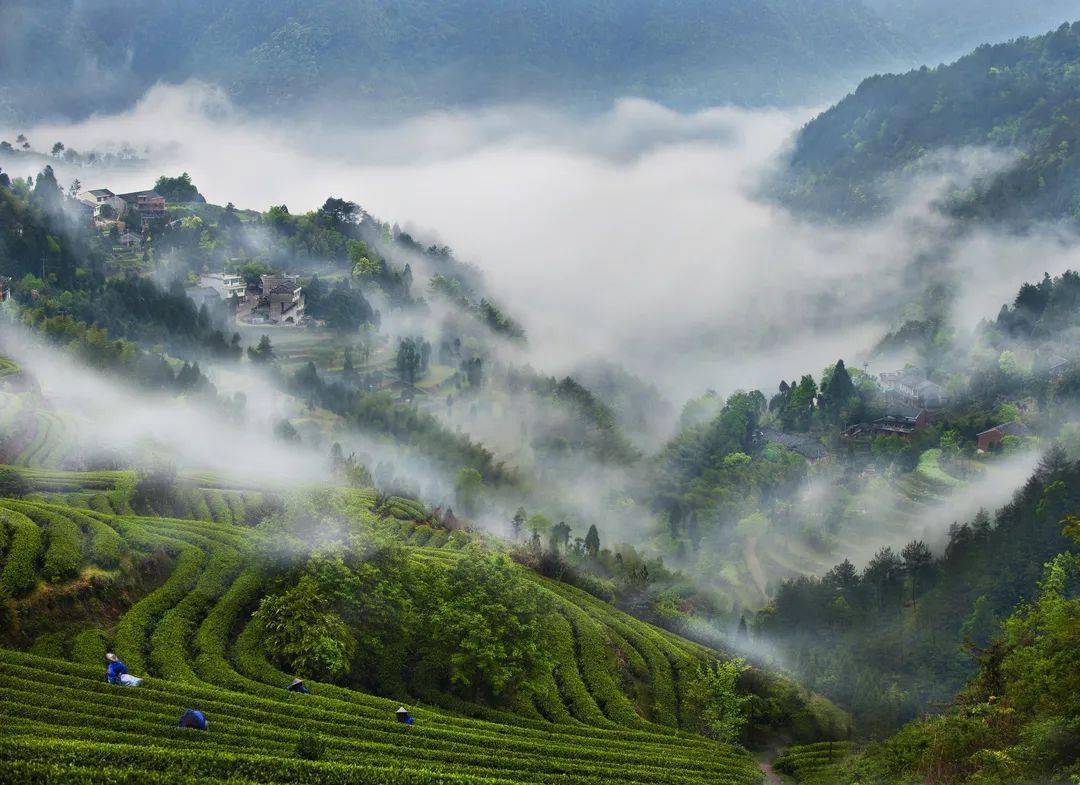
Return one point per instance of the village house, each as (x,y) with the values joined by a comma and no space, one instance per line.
(101,197)
(150,204)
(1056,367)
(281,300)
(226,285)
(85,211)
(900,421)
(910,387)
(130,239)
(992,437)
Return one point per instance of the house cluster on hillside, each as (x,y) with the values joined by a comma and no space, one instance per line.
(108,207)
(910,387)
(277,299)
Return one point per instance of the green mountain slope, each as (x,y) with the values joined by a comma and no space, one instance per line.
(66,57)
(1015,722)
(951,29)
(1021,97)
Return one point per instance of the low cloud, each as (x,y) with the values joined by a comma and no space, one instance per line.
(632,236)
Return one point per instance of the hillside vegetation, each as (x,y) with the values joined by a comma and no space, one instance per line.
(606,697)
(1021,98)
(1015,721)
(392,57)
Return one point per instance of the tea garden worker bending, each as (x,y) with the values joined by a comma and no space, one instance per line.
(117,673)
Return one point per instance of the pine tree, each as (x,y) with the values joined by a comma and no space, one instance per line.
(592,542)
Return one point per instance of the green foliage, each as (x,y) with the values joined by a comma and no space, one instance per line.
(719,705)
(1017,720)
(886,643)
(263,353)
(19,573)
(90,647)
(178,189)
(12,483)
(63,554)
(311,746)
(1016,95)
(303,632)
(489,632)
(469,489)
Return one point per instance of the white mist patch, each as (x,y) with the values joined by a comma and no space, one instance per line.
(111,416)
(633,235)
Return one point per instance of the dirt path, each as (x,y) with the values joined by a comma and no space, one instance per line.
(771,777)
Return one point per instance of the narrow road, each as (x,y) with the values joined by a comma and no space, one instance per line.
(771,777)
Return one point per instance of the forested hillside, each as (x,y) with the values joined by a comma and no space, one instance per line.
(385,57)
(946,30)
(1019,98)
(1014,722)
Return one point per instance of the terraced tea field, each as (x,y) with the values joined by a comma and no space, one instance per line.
(609,710)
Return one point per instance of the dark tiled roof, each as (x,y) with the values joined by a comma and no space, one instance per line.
(137,194)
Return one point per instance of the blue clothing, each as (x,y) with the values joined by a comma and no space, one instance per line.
(192,718)
(115,671)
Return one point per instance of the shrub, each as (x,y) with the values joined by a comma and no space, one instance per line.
(12,483)
(50,644)
(89,647)
(20,570)
(311,747)
(64,553)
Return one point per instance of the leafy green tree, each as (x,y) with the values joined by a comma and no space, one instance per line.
(263,353)
(799,408)
(715,699)
(592,542)
(469,489)
(178,189)
(490,633)
(303,633)
(837,393)
(517,523)
(12,483)
(982,624)
(538,524)
(918,562)
(559,535)
(408,360)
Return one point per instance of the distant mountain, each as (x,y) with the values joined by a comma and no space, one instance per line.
(71,58)
(947,30)
(1021,97)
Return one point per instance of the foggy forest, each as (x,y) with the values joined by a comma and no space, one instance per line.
(540,391)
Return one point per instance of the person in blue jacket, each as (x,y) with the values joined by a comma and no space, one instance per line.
(297,686)
(115,670)
(193,718)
